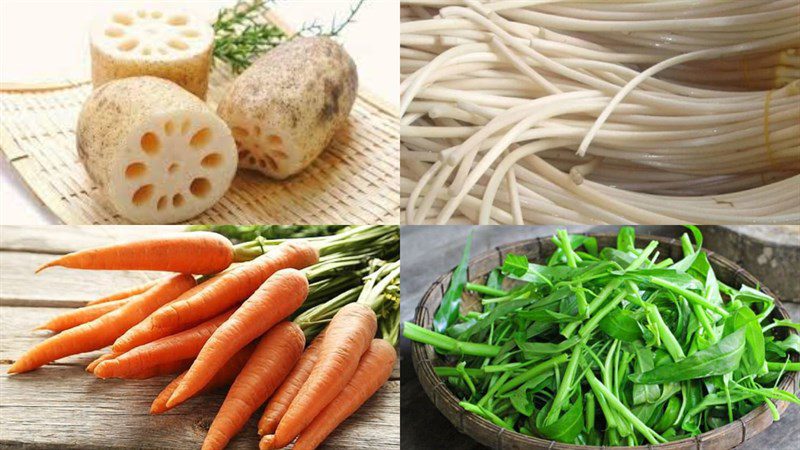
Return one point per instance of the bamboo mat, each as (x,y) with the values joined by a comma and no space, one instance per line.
(354,181)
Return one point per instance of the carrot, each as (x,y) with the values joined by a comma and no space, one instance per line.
(235,286)
(275,300)
(198,253)
(186,344)
(373,370)
(130,292)
(93,364)
(272,360)
(279,403)
(161,369)
(224,377)
(105,329)
(78,316)
(144,331)
(347,338)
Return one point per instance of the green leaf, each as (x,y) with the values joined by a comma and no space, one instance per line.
(720,358)
(567,427)
(645,362)
(515,265)
(626,239)
(752,362)
(447,313)
(534,350)
(520,402)
(780,348)
(621,324)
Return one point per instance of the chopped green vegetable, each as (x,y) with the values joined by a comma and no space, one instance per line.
(613,346)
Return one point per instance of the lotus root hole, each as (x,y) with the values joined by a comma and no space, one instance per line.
(200,187)
(272,164)
(177,44)
(141,13)
(162,203)
(128,45)
(178,200)
(142,194)
(172,168)
(279,154)
(275,140)
(201,138)
(162,51)
(252,160)
(115,32)
(146,51)
(169,127)
(122,19)
(185,126)
(150,143)
(135,170)
(178,21)
(212,160)
(239,132)
(156,14)
(190,33)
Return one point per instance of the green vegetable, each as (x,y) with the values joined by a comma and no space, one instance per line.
(612,346)
(447,313)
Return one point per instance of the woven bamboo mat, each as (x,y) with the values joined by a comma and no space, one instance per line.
(354,181)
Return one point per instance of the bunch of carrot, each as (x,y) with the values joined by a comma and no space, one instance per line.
(233,328)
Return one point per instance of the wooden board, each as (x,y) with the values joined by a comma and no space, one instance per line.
(354,181)
(61,406)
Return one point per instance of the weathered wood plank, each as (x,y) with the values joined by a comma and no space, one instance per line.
(62,407)
(59,239)
(58,286)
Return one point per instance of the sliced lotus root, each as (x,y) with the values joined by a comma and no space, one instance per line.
(158,153)
(158,42)
(285,108)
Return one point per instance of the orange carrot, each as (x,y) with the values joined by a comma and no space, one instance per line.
(130,292)
(93,364)
(373,370)
(272,360)
(161,369)
(347,338)
(78,316)
(144,331)
(105,329)
(224,377)
(279,403)
(275,300)
(198,253)
(183,345)
(235,286)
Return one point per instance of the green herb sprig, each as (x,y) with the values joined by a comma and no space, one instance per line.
(615,346)
(243,33)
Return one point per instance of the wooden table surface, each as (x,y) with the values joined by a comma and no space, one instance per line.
(431,251)
(60,406)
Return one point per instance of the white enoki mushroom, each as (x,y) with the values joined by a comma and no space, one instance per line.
(168,44)
(677,111)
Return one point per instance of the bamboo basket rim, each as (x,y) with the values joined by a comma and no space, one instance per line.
(443,398)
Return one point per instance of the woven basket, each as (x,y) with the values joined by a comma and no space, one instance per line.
(355,180)
(489,434)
